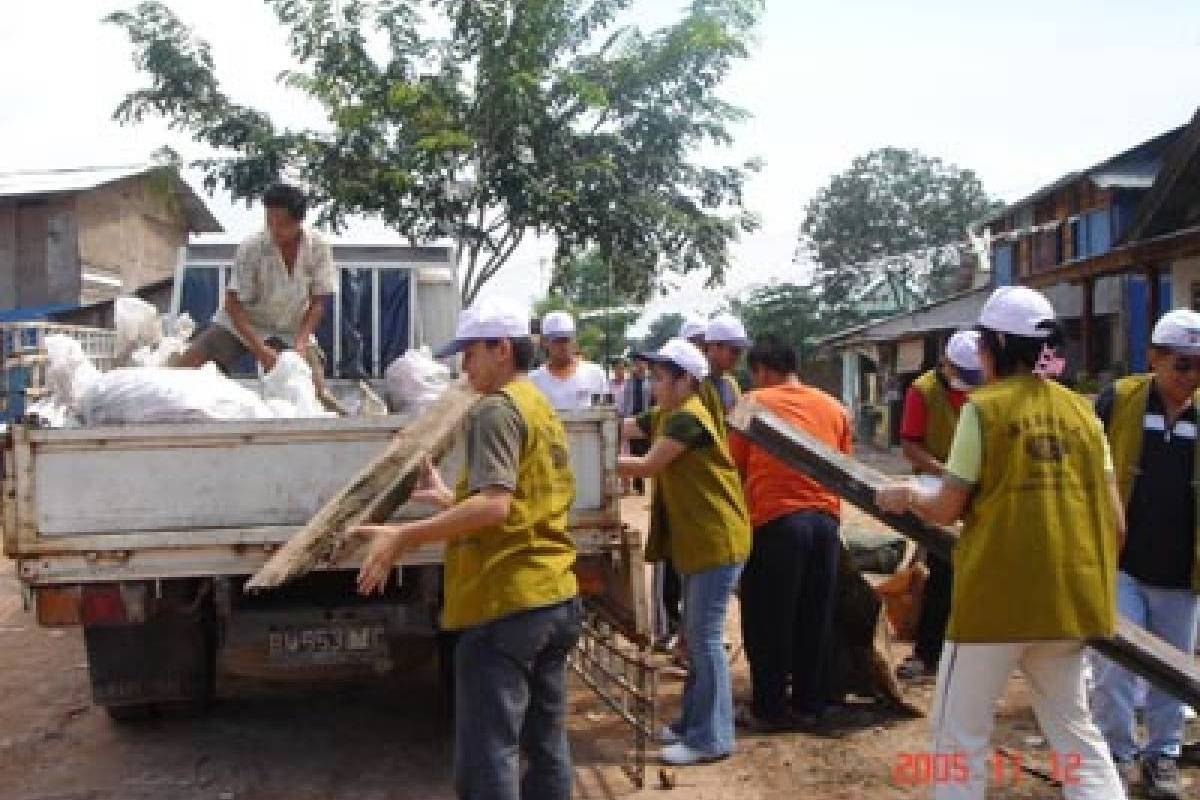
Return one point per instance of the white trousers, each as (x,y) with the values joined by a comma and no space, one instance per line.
(972,677)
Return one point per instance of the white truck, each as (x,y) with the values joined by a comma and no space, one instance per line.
(144,536)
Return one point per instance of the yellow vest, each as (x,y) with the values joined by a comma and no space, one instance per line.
(699,518)
(710,397)
(941,418)
(1125,430)
(526,561)
(1037,558)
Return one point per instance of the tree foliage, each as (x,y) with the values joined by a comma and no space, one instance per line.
(662,328)
(793,312)
(869,221)
(525,116)
(585,280)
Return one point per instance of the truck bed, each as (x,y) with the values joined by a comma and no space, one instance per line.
(159,501)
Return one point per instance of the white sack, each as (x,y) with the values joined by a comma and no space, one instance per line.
(146,394)
(288,388)
(415,381)
(70,374)
(137,324)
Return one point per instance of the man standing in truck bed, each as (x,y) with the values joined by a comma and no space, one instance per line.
(510,591)
(282,277)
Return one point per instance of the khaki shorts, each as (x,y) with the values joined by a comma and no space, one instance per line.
(220,345)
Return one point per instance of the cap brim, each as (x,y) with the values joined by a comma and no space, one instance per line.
(1181,349)
(450,348)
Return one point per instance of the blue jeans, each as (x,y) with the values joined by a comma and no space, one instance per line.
(1169,614)
(510,699)
(707,720)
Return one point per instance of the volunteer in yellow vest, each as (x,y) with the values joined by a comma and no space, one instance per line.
(725,340)
(702,525)
(667,588)
(1151,422)
(926,430)
(510,591)
(1035,565)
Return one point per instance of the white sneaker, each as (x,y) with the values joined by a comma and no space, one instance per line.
(667,736)
(680,755)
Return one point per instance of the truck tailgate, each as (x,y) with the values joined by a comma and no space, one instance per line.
(216,498)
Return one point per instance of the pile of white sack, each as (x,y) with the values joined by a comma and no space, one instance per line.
(80,394)
(144,389)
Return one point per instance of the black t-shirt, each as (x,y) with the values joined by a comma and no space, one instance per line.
(1161,518)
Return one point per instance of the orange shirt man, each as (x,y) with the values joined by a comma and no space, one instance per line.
(790,581)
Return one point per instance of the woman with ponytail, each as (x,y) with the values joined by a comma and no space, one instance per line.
(1030,476)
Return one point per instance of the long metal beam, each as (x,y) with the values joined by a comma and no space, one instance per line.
(1134,648)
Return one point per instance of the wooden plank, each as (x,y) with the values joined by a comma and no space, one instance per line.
(1134,648)
(377,491)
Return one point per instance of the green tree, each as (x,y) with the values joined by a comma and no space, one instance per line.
(664,327)
(526,116)
(869,221)
(793,312)
(585,281)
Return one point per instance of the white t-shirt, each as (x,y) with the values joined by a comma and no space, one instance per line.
(573,393)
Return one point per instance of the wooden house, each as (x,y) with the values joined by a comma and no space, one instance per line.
(72,237)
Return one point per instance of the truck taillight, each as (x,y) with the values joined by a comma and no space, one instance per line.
(58,606)
(103,604)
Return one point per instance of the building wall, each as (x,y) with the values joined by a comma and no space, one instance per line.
(1185,284)
(8,256)
(39,260)
(129,231)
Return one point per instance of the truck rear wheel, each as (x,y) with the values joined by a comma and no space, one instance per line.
(131,714)
(164,662)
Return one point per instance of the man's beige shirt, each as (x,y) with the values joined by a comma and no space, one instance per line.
(274,300)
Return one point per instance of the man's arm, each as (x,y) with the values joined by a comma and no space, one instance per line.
(920,458)
(912,434)
(241,323)
(662,452)
(483,509)
(310,321)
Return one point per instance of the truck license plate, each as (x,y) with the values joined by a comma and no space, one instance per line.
(327,643)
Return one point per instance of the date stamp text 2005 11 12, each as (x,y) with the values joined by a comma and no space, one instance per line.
(931,769)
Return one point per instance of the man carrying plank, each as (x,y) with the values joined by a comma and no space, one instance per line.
(510,591)
(1151,421)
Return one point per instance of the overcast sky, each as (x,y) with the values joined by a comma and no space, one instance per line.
(1021,92)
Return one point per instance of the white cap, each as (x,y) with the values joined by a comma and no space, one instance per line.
(1017,310)
(489,318)
(963,350)
(693,326)
(684,355)
(1178,330)
(728,329)
(558,323)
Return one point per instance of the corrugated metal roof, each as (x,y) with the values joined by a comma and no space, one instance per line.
(55,181)
(35,183)
(962,311)
(1135,168)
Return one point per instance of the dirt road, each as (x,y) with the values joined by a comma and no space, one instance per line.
(377,739)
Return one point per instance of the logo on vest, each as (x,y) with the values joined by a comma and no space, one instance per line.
(1045,447)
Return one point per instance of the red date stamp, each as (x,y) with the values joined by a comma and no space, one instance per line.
(1003,768)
